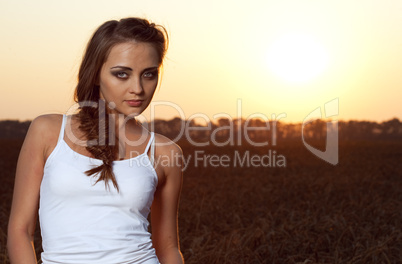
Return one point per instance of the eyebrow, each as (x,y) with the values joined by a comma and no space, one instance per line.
(129,69)
(122,67)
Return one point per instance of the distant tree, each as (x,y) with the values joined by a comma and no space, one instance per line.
(13,129)
(392,129)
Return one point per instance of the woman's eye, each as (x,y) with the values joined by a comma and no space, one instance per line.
(150,75)
(121,75)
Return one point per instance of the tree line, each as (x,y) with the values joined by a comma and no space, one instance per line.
(251,130)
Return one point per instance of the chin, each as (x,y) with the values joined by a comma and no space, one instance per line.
(134,113)
(128,111)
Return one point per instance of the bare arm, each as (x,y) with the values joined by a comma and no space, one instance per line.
(164,210)
(24,210)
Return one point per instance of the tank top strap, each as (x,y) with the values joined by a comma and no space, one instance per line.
(63,125)
(150,145)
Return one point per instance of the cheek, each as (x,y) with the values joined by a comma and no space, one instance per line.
(150,87)
(108,90)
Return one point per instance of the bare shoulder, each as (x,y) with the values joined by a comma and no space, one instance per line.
(47,121)
(166,146)
(44,132)
(46,125)
(169,159)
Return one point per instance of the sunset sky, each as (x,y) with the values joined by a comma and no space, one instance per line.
(270,57)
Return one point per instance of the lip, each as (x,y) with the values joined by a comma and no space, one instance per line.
(134,103)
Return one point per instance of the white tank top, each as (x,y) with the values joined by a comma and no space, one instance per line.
(83,222)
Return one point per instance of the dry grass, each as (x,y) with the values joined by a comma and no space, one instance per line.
(309,212)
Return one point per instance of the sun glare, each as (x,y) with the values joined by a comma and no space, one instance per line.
(297,58)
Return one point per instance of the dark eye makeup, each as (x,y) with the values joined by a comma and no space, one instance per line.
(151,74)
(120,74)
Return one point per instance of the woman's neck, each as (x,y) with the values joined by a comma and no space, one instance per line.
(128,132)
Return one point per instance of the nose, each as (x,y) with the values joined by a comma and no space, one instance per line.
(136,86)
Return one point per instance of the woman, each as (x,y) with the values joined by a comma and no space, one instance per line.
(94,176)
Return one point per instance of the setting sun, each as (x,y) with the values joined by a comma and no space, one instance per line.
(297,58)
(276,56)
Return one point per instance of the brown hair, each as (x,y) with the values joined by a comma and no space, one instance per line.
(92,113)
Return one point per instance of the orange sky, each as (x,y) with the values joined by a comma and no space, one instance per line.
(222,54)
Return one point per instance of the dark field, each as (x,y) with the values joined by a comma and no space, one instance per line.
(306,212)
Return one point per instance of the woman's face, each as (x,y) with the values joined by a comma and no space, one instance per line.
(129,77)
